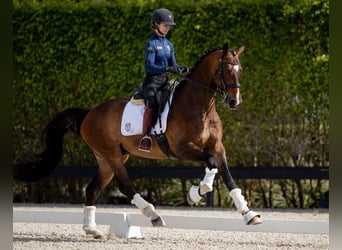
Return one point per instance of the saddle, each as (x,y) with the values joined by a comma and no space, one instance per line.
(139,99)
(131,123)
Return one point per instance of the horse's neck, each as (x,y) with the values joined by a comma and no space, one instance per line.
(201,88)
(205,72)
(199,94)
(196,98)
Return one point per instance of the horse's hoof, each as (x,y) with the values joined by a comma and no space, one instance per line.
(99,236)
(255,220)
(252,218)
(96,234)
(158,222)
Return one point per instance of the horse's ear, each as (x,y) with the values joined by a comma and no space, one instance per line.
(241,49)
(225,49)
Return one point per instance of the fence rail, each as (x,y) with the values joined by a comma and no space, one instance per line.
(185,173)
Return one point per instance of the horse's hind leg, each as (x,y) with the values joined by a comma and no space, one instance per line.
(126,187)
(148,210)
(93,190)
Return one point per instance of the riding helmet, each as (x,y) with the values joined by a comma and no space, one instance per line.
(162,16)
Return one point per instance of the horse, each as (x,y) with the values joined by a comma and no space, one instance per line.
(194,133)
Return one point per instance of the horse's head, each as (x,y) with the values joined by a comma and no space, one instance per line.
(228,74)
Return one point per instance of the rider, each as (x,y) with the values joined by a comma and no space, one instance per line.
(159,61)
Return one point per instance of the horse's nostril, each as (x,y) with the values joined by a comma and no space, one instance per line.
(232,103)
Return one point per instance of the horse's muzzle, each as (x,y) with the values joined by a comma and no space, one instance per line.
(232,103)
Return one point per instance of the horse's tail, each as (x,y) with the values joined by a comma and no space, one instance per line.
(43,164)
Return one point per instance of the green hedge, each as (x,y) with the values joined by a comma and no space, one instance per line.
(81,54)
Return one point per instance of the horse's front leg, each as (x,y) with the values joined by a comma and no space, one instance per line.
(206,185)
(196,193)
(215,165)
(191,152)
(250,217)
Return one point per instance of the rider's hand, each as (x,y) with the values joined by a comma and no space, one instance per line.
(183,69)
(172,69)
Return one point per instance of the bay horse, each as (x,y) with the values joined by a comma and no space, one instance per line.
(194,133)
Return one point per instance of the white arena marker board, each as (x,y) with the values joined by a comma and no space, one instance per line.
(127,225)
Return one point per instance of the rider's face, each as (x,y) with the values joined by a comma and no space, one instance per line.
(164,28)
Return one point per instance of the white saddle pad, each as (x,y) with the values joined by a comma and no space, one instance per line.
(132,118)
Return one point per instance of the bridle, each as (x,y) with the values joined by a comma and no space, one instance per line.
(220,70)
(224,86)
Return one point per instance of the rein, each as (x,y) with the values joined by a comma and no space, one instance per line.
(202,85)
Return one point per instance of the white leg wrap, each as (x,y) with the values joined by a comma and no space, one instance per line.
(150,212)
(89,225)
(206,185)
(89,217)
(194,195)
(139,202)
(146,208)
(239,200)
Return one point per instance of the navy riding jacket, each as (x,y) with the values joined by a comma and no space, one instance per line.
(159,54)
